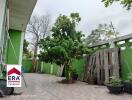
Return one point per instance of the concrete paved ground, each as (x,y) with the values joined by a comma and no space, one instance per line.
(45,87)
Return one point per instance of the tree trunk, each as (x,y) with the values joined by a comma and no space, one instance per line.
(60,70)
(68,73)
(35,58)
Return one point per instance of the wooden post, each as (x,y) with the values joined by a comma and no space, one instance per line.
(98,67)
(116,63)
(106,67)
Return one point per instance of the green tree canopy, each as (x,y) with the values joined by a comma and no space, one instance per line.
(26,52)
(126,3)
(65,43)
(102,33)
(25,45)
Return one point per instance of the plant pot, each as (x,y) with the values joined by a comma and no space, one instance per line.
(115,89)
(128,87)
(4,90)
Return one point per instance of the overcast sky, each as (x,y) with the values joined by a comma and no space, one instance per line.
(92,13)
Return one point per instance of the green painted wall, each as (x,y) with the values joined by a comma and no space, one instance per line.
(55,69)
(16,41)
(78,65)
(49,68)
(125,59)
(27,64)
(46,68)
(126,63)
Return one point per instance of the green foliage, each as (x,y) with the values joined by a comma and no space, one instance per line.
(126,3)
(74,72)
(65,43)
(102,33)
(25,45)
(114,81)
(26,52)
(130,77)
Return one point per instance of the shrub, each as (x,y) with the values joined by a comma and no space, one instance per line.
(115,81)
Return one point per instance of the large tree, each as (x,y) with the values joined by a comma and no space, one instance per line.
(65,44)
(102,33)
(126,3)
(25,47)
(39,27)
(26,52)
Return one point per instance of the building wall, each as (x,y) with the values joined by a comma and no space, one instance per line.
(125,57)
(7,55)
(126,63)
(78,66)
(27,65)
(2,30)
(49,68)
(2,15)
(13,57)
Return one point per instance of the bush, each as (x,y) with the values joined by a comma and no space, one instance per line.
(130,77)
(115,81)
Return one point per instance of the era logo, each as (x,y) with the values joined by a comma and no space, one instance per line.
(14,71)
(13,76)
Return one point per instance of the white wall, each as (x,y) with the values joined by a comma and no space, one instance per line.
(2,15)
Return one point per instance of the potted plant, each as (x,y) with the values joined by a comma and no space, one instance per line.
(128,84)
(4,90)
(115,85)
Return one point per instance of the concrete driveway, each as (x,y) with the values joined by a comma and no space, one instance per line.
(45,87)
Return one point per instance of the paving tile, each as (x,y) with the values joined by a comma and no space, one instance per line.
(46,87)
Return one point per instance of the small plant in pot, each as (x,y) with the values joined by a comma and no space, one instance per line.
(128,84)
(115,85)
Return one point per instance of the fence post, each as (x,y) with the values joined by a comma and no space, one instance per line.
(106,67)
(42,67)
(51,69)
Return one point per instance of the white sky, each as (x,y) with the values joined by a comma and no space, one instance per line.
(92,13)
